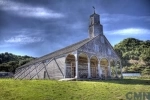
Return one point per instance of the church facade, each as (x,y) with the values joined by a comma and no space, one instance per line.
(91,58)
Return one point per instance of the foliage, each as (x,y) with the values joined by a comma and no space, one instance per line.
(135,55)
(70,90)
(9,62)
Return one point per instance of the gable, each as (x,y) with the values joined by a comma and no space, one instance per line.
(99,46)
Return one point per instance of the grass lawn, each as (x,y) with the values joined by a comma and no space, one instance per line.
(11,89)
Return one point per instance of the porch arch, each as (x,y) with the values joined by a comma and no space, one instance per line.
(83,65)
(70,66)
(104,66)
(94,67)
(113,69)
(118,69)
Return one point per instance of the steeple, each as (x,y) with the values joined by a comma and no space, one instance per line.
(95,27)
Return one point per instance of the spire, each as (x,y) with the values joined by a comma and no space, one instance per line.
(95,28)
(94,9)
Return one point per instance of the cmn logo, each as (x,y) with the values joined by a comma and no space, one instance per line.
(138,96)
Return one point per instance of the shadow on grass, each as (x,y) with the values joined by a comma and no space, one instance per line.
(126,81)
(130,81)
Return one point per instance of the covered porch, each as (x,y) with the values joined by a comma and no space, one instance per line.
(82,66)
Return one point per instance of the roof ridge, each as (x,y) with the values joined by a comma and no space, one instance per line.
(55,52)
(65,47)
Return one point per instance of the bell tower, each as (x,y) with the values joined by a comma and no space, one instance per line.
(95,27)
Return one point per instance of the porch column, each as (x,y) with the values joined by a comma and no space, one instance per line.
(109,69)
(99,70)
(116,68)
(121,70)
(76,69)
(89,69)
(76,61)
(65,70)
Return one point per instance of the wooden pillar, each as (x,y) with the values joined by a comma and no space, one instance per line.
(89,69)
(76,69)
(116,69)
(65,70)
(121,70)
(109,69)
(99,70)
(76,61)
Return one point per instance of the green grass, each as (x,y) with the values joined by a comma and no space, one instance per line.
(70,90)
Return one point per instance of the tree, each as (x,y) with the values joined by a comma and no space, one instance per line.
(9,62)
(132,50)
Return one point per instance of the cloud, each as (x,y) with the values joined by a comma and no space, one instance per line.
(130,31)
(23,39)
(28,11)
(120,17)
(25,36)
(77,25)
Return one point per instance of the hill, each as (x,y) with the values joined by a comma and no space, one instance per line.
(9,62)
(135,55)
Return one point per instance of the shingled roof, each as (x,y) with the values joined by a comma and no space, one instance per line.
(65,50)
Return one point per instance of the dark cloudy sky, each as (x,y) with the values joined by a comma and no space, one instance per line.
(38,27)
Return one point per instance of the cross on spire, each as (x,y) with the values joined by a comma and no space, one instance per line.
(94,9)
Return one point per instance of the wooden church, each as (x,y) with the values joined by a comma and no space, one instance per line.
(91,58)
